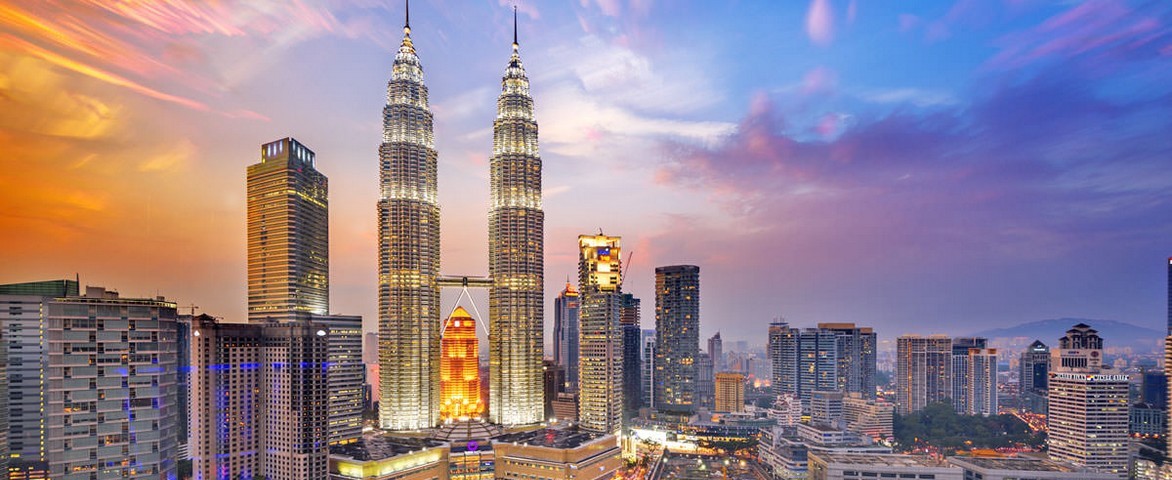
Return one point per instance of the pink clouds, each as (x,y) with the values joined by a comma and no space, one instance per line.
(820,22)
(819,80)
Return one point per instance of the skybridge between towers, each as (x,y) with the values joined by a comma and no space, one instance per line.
(460,281)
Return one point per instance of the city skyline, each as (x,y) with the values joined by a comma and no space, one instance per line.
(1025,221)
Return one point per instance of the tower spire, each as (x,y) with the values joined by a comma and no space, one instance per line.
(515,44)
(407,16)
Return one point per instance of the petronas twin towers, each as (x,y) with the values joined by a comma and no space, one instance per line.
(409,253)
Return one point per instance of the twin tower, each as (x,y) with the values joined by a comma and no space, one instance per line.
(409,253)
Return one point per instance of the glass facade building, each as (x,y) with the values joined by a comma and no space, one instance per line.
(600,365)
(677,343)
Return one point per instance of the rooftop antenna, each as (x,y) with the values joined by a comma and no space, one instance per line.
(515,44)
(407,14)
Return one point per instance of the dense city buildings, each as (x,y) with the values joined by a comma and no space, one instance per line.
(960,370)
(632,347)
(408,251)
(288,235)
(1033,373)
(677,343)
(600,366)
(855,352)
(871,417)
(516,255)
(565,334)
(1019,468)
(833,466)
(111,407)
(730,392)
(460,369)
(923,372)
(833,356)
(981,382)
(1088,405)
(260,400)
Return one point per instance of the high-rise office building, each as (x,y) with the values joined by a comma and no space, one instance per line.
(923,371)
(346,376)
(632,346)
(408,252)
(600,367)
(855,349)
(677,343)
(960,370)
(565,335)
(1034,370)
(24,316)
(647,365)
(705,382)
(183,381)
(460,369)
(554,380)
(111,406)
(716,351)
(370,348)
(259,400)
(1154,389)
(730,392)
(516,254)
(981,375)
(1088,416)
(781,350)
(288,235)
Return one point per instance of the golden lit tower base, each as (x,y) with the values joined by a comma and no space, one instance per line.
(460,369)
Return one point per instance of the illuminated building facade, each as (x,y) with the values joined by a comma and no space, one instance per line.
(982,382)
(1088,405)
(259,400)
(961,370)
(409,251)
(565,335)
(923,371)
(1033,374)
(460,369)
(346,376)
(632,346)
(600,367)
(730,392)
(516,232)
(111,410)
(288,235)
(677,323)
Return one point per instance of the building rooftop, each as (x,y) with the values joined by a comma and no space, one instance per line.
(1015,463)
(551,438)
(379,446)
(890,460)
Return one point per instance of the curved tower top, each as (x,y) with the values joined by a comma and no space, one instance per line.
(409,261)
(516,254)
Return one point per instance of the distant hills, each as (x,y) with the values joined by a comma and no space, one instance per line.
(1114,333)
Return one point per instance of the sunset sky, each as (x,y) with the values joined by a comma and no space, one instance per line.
(916,166)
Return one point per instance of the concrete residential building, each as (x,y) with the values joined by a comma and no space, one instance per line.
(705,382)
(600,365)
(923,371)
(112,372)
(834,356)
(259,400)
(288,235)
(408,251)
(647,365)
(677,343)
(874,418)
(826,408)
(716,351)
(730,392)
(981,375)
(1088,405)
(855,350)
(960,370)
(565,334)
(516,255)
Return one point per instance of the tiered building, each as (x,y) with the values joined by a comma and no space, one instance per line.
(460,369)
(1088,418)
(409,251)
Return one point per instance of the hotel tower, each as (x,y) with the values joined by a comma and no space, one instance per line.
(408,253)
(516,226)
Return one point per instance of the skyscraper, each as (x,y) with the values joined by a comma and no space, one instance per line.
(981,391)
(960,370)
(647,365)
(730,392)
(716,351)
(1032,377)
(409,251)
(111,405)
(288,235)
(632,346)
(677,344)
(460,368)
(565,335)
(705,382)
(600,367)
(855,348)
(833,356)
(259,400)
(1088,416)
(923,371)
(346,373)
(516,253)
